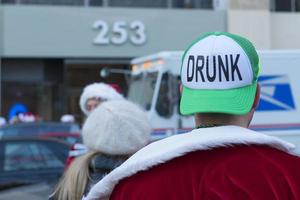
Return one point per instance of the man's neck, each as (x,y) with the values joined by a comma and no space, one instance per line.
(212,121)
(208,126)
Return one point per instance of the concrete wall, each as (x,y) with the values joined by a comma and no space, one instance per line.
(249,5)
(285,30)
(48,31)
(1,32)
(67,32)
(267,30)
(254,25)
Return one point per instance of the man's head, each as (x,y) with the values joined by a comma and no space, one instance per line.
(219,75)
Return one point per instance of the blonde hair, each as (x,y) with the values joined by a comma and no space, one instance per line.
(74,181)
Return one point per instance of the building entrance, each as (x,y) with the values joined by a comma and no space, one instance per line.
(77,76)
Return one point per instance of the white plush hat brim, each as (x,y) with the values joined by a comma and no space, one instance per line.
(116,128)
(98,90)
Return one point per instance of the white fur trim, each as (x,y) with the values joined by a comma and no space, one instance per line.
(98,90)
(178,145)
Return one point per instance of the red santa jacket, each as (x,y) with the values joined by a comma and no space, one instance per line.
(212,163)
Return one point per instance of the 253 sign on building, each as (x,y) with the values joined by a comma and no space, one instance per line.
(120,32)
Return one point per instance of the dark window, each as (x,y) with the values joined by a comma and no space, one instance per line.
(206,4)
(96,2)
(179,4)
(51,161)
(45,2)
(8,1)
(285,5)
(29,156)
(202,4)
(297,6)
(138,3)
(166,97)
(141,84)
(282,5)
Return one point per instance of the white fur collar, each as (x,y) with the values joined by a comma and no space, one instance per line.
(178,145)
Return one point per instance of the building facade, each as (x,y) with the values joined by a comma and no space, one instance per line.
(51,49)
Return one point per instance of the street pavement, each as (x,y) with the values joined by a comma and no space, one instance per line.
(39,191)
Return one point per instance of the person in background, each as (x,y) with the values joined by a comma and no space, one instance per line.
(26,117)
(221,158)
(96,93)
(16,109)
(92,96)
(16,113)
(67,118)
(112,132)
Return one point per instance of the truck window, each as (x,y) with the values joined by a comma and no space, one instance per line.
(141,89)
(164,105)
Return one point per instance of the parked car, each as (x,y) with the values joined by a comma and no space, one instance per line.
(31,160)
(71,138)
(69,132)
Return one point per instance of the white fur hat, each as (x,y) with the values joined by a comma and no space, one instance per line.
(98,90)
(116,128)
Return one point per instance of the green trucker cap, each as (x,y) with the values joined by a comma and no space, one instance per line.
(219,74)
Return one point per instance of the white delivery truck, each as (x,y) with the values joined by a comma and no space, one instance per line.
(155,83)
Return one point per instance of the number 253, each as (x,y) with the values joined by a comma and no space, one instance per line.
(120,32)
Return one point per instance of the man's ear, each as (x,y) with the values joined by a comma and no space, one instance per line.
(180,89)
(257,97)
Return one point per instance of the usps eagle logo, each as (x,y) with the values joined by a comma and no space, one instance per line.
(276,94)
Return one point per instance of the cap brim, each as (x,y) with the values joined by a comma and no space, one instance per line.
(236,101)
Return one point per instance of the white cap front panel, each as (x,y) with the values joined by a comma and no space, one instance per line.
(216,62)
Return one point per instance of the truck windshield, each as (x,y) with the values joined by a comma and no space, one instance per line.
(141,89)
